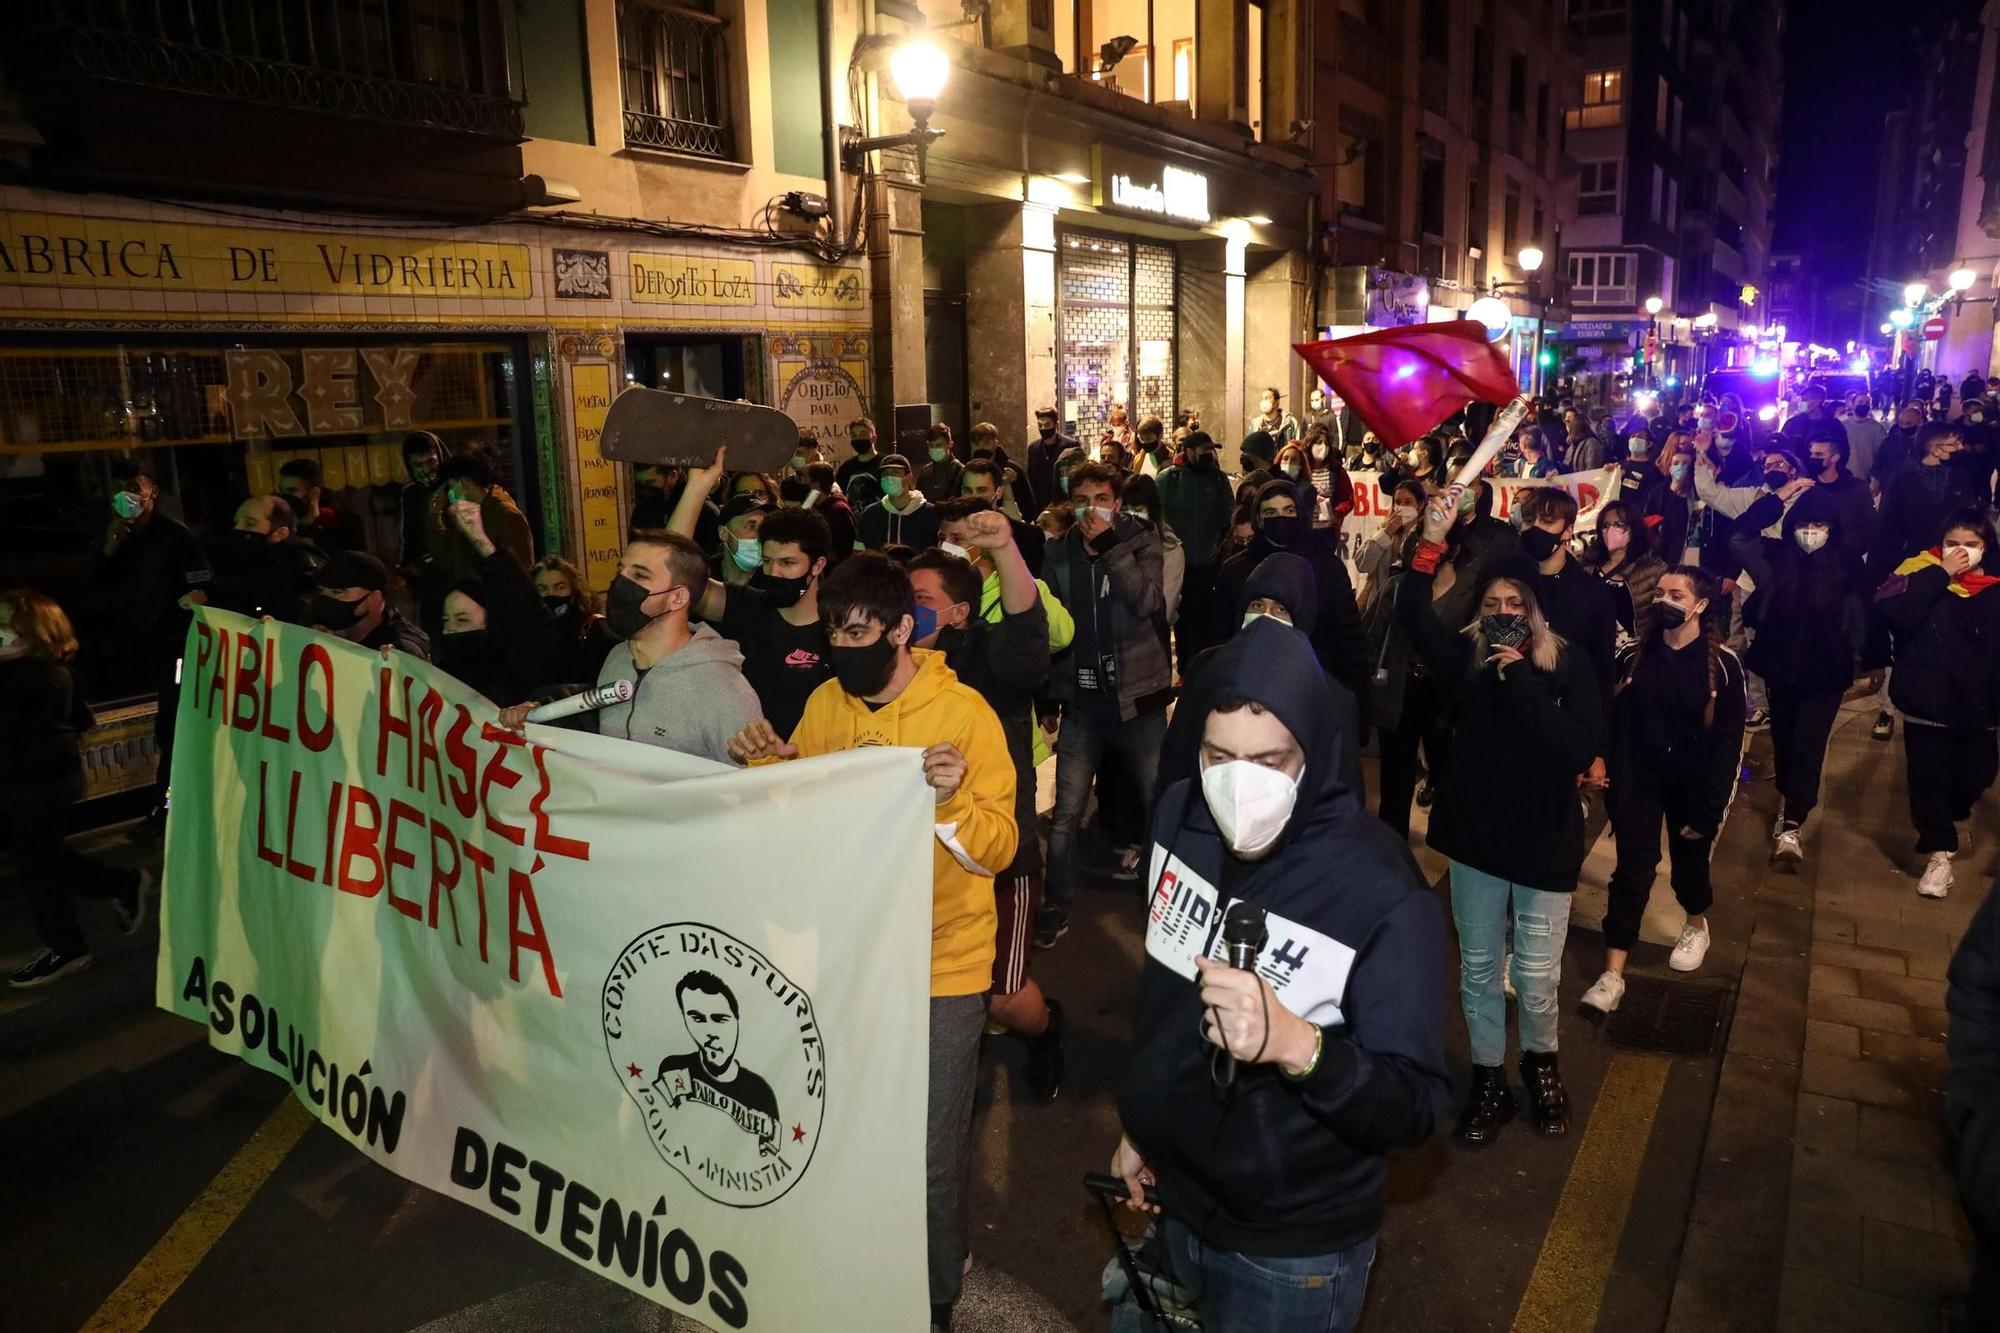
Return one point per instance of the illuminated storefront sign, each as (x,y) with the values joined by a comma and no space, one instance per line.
(1134,185)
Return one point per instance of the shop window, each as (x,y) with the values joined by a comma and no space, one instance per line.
(673,65)
(1116,329)
(1601,279)
(215,420)
(1603,101)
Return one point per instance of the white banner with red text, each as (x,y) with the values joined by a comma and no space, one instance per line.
(1373,504)
(667,1017)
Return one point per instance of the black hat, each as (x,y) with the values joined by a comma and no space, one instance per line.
(354,569)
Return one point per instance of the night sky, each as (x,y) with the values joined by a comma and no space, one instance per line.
(1848,63)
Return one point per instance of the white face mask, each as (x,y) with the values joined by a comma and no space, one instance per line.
(1251,803)
(1249,616)
(1408,513)
(1810,539)
(1615,538)
(1973,551)
(1319,453)
(1135,511)
(953,548)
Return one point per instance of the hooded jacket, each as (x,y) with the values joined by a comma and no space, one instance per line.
(1118,585)
(1276,1166)
(1947,643)
(1807,609)
(1287,580)
(1336,634)
(916,526)
(976,831)
(1508,806)
(692,700)
(1915,504)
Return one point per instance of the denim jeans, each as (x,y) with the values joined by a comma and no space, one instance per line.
(1086,734)
(1481,906)
(1240,1293)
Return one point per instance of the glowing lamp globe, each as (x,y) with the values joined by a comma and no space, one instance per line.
(1900,318)
(1962,279)
(1530,258)
(1653,305)
(1915,292)
(919,69)
(1493,313)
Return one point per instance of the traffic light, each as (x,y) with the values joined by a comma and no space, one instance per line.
(1546,359)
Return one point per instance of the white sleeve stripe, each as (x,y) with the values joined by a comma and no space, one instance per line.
(948,835)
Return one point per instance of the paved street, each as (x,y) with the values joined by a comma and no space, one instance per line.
(1792,1178)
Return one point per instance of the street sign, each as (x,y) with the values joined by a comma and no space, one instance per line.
(1934,328)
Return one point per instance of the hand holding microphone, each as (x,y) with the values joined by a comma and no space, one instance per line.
(1243,1015)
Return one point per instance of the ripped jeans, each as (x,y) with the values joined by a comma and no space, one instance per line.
(1480,905)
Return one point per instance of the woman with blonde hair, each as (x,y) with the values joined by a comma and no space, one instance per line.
(42,718)
(1527,723)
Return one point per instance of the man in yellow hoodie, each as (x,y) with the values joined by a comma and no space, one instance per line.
(885,692)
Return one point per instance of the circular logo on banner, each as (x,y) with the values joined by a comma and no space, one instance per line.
(722,1055)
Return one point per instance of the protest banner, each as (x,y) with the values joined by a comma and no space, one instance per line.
(1373,502)
(666,1016)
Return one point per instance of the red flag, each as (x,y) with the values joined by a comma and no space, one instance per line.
(1403,381)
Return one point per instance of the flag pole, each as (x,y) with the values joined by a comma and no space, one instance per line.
(1496,439)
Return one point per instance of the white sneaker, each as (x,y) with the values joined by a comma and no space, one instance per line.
(1788,851)
(1690,948)
(1605,993)
(1936,882)
(1507,974)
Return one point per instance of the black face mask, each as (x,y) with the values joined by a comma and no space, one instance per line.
(1504,631)
(1281,531)
(622,607)
(1046,431)
(1539,543)
(253,544)
(782,592)
(559,607)
(1668,616)
(1202,462)
(331,613)
(865,670)
(1774,479)
(461,654)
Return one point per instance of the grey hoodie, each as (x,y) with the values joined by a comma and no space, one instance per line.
(692,700)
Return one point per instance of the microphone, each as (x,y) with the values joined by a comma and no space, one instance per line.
(1244,935)
(615,692)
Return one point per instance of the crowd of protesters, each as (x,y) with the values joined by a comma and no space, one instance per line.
(1191,648)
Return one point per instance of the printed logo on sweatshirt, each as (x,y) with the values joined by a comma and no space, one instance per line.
(1307,970)
(804,658)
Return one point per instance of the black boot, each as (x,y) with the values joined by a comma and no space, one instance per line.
(1046,1065)
(1487,1107)
(1548,1104)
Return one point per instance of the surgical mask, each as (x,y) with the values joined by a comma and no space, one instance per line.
(866,669)
(334,614)
(1281,529)
(892,486)
(953,548)
(939,453)
(1407,513)
(1679,471)
(1249,616)
(1319,452)
(1250,802)
(1669,616)
(1103,515)
(1539,543)
(1723,444)
(127,504)
(1810,539)
(1504,630)
(926,623)
(1293,470)
(559,607)
(782,592)
(1974,552)
(798,462)
(1636,448)
(747,553)
(624,607)
(1615,538)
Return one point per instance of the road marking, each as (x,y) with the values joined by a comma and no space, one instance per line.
(187,1242)
(1567,1286)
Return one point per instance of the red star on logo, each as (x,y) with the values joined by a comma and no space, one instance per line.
(798,1134)
(635,1070)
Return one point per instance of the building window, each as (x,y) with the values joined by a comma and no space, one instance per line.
(1603,101)
(1116,328)
(1659,194)
(1436,22)
(1510,237)
(1184,70)
(1673,205)
(1430,196)
(1360,182)
(1660,108)
(1674,135)
(1601,279)
(1517,85)
(1667,24)
(1597,188)
(672,63)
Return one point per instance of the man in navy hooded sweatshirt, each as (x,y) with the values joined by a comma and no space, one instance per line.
(1336,1036)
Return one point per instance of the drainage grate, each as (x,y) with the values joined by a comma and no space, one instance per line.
(1673,1017)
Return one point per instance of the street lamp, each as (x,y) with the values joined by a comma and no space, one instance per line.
(1962,278)
(919,69)
(1530,258)
(1653,306)
(1900,318)
(1915,293)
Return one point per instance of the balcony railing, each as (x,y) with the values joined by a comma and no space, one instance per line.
(438,64)
(673,64)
